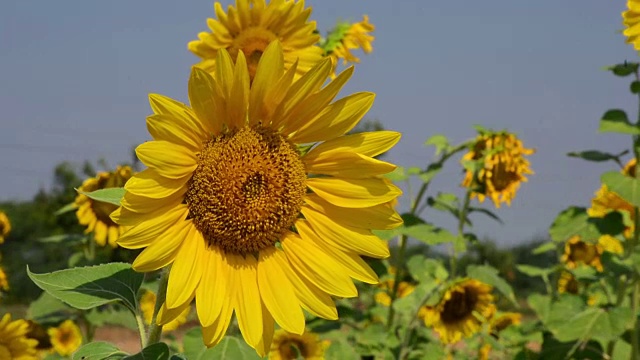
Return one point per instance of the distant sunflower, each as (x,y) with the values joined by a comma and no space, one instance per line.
(147,305)
(251,25)
(384,298)
(465,306)
(351,37)
(95,214)
(287,346)
(607,201)
(226,186)
(14,344)
(567,283)
(66,338)
(503,170)
(5,226)
(578,252)
(631,21)
(503,321)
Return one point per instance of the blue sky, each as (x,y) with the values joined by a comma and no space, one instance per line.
(75,78)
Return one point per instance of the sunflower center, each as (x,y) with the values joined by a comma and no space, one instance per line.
(252,42)
(247,190)
(582,251)
(459,307)
(292,350)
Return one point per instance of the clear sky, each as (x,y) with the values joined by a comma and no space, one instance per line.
(74,79)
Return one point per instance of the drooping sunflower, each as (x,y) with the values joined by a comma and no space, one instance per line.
(66,338)
(288,346)
(251,222)
(251,25)
(606,201)
(578,252)
(567,283)
(462,310)
(631,21)
(14,343)
(5,226)
(95,214)
(503,169)
(351,37)
(148,303)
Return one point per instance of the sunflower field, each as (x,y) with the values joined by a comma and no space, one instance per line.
(263,219)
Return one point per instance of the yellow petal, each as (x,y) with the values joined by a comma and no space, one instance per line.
(381,216)
(163,251)
(141,204)
(354,193)
(201,96)
(270,69)
(187,269)
(126,217)
(317,266)
(213,290)
(344,237)
(167,159)
(146,232)
(346,164)
(224,72)
(336,119)
(167,315)
(278,295)
(247,304)
(175,130)
(213,334)
(239,96)
(150,184)
(367,143)
(163,105)
(264,345)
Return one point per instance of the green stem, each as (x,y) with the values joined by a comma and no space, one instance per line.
(155,330)
(142,331)
(462,217)
(635,344)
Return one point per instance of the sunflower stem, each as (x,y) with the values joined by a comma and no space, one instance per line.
(141,330)
(462,217)
(635,344)
(155,330)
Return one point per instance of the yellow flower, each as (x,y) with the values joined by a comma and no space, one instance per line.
(607,201)
(147,305)
(251,26)
(567,283)
(252,223)
(578,252)
(5,226)
(66,338)
(503,321)
(505,167)
(484,352)
(95,214)
(384,298)
(463,309)
(352,37)
(4,281)
(631,21)
(14,344)
(287,346)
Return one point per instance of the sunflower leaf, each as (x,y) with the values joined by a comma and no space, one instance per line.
(489,275)
(65,209)
(87,287)
(157,351)
(108,195)
(616,121)
(624,69)
(596,155)
(573,221)
(594,323)
(625,186)
(228,348)
(98,351)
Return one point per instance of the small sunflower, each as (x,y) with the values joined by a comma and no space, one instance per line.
(351,37)
(5,226)
(607,201)
(95,214)
(503,321)
(147,305)
(465,306)
(504,167)
(251,222)
(631,21)
(251,25)
(383,297)
(66,338)
(567,283)
(287,346)
(578,252)
(14,343)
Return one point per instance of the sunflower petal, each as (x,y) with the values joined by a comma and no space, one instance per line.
(212,334)
(141,204)
(264,345)
(174,130)
(163,105)
(146,232)
(270,69)
(150,184)
(213,290)
(382,216)
(239,95)
(187,269)
(354,193)
(366,143)
(346,164)
(201,96)
(167,315)
(247,303)
(163,251)
(167,159)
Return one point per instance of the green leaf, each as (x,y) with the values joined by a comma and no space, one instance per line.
(489,275)
(635,87)
(410,303)
(625,186)
(595,155)
(439,141)
(431,171)
(47,309)
(566,306)
(541,304)
(108,195)
(534,271)
(65,209)
(64,238)
(157,351)
(426,270)
(98,351)
(397,175)
(429,235)
(487,212)
(624,69)
(594,323)
(616,121)
(573,221)
(611,224)
(87,287)
(341,349)
(545,247)
(622,350)
(113,315)
(552,349)
(228,348)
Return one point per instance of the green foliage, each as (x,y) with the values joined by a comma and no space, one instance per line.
(109,195)
(98,350)
(596,155)
(571,222)
(617,121)
(157,351)
(625,186)
(228,348)
(489,275)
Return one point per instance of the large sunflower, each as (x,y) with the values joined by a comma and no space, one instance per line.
(287,346)
(631,21)
(253,223)
(607,201)
(14,343)
(94,214)
(465,306)
(66,338)
(5,226)
(251,26)
(504,167)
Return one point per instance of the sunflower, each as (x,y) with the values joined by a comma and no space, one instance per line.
(631,21)
(504,167)
(462,310)
(384,298)
(607,201)
(14,343)
(251,26)
(287,346)
(95,214)
(148,303)
(567,283)
(578,252)
(351,37)
(66,338)
(503,321)
(5,226)
(253,223)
